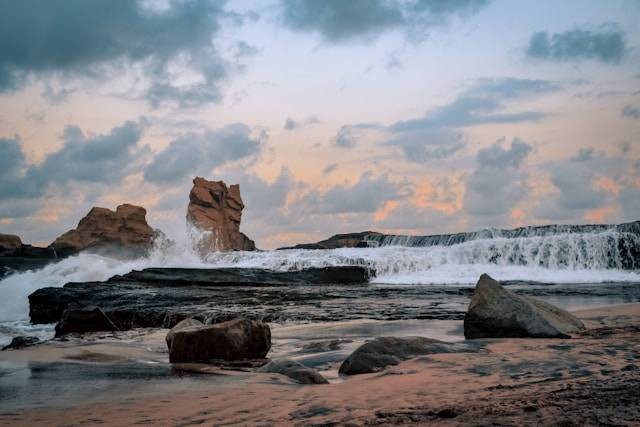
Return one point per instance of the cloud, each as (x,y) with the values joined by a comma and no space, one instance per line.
(93,159)
(338,21)
(631,112)
(291,124)
(95,39)
(606,44)
(365,196)
(199,153)
(574,183)
(348,135)
(329,169)
(498,183)
(435,135)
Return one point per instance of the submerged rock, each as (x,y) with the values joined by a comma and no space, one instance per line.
(238,339)
(294,370)
(83,320)
(217,210)
(126,229)
(378,353)
(21,342)
(496,312)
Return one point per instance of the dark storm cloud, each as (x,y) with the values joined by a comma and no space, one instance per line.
(41,38)
(498,183)
(198,153)
(606,43)
(631,112)
(340,21)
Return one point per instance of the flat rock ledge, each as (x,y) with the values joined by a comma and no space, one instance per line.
(495,312)
(162,297)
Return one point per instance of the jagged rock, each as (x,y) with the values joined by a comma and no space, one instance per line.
(378,353)
(10,245)
(125,229)
(82,320)
(21,342)
(496,312)
(237,339)
(183,324)
(294,370)
(217,210)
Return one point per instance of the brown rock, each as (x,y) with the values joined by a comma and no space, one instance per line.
(217,209)
(237,339)
(126,228)
(9,244)
(183,324)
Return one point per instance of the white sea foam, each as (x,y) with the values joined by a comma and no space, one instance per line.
(562,258)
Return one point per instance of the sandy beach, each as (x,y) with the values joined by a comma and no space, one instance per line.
(592,378)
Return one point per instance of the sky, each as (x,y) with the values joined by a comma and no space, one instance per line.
(401,116)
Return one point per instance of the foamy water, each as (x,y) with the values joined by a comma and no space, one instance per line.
(563,258)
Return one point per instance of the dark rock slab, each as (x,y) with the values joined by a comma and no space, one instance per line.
(294,370)
(183,324)
(163,297)
(496,312)
(376,354)
(238,339)
(82,320)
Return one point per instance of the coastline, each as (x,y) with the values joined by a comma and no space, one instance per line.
(589,379)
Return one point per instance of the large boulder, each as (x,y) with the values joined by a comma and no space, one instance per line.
(216,210)
(10,245)
(183,324)
(294,370)
(378,353)
(238,339)
(125,229)
(496,312)
(83,320)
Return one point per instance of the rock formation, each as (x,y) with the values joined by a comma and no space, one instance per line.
(82,320)
(374,355)
(217,209)
(10,245)
(124,229)
(294,370)
(496,312)
(238,339)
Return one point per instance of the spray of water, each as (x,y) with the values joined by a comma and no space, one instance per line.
(588,257)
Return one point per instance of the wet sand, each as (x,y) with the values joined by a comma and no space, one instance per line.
(591,379)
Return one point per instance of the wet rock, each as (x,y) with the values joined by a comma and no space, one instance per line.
(233,340)
(21,342)
(125,230)
(217,210)
(82,320)
(183,324)
(388,351)
(161,297)
(495,312)
(294,370)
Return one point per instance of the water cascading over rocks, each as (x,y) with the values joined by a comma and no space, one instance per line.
(216,210)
